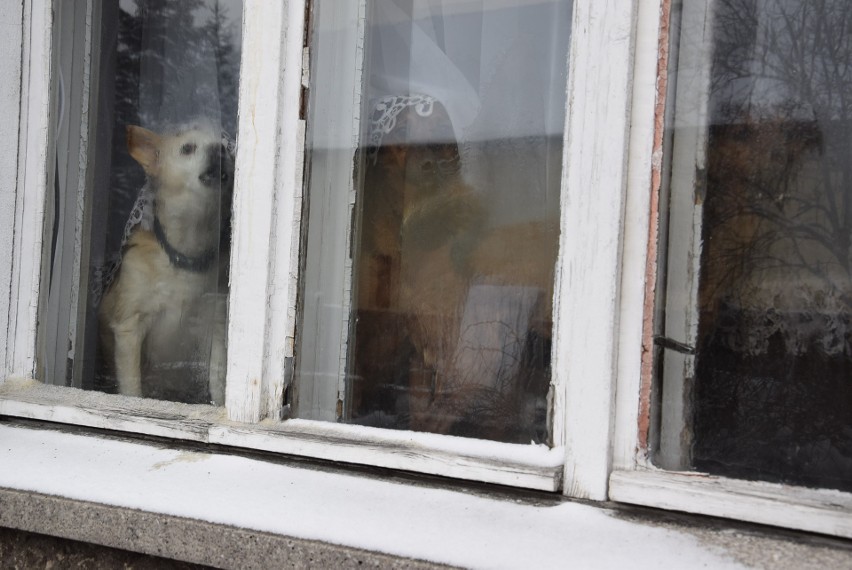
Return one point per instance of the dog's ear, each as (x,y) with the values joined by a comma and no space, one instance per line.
(144,147)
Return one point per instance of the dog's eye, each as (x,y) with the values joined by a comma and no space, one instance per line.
(188,148)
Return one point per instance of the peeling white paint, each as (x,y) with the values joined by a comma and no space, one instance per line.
(11,42)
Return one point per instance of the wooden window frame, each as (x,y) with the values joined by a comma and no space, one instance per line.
(634,479)
(588,316)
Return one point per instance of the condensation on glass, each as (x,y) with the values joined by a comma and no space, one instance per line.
(138,214)
(435,140)
(757,330)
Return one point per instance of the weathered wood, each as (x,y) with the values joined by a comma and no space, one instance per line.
(284,274)
(264,35)
(334,136)
(28,252)
(528,466)
(640,233)
(408,451)
(817,510)
(685,219)
(589,273)
(11,43)
(32,400)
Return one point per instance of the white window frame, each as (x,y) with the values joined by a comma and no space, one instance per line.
(603,303)
(611,174)
(634,479)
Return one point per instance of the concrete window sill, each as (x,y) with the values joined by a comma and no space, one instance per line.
(227,510)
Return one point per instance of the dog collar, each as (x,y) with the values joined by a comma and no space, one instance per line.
(198,264)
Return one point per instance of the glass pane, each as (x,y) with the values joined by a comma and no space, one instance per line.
(772,394)
(447,274)
(146,106)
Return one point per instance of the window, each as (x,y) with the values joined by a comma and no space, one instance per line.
(768,322)
(330,351)
(145,110)
(264,406)
(204,56)
(429,269)
(750,331)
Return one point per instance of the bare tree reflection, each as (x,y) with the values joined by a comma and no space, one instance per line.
(772,396)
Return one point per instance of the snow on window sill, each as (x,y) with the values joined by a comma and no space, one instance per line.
(393,517)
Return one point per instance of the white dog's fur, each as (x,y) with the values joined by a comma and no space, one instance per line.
(167,306)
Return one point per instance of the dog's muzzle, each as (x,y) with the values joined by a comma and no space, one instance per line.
(215,173)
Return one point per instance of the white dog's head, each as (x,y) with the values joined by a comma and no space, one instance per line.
(191,171)
(194,159)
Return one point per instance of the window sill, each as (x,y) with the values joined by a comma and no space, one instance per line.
(527,466)
(222,509)
(815,510)
(177,538)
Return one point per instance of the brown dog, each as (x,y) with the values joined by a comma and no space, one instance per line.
(446,304)
(163,318)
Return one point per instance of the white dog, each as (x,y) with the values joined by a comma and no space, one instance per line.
(163,318)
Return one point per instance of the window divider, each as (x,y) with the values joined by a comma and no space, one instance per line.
(34,133)
(284,258)
(328,285)
(641,230)
(588,269)
(260,101)
(62,324)
(689,157)
(10,123)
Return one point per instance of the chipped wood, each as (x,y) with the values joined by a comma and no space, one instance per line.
(28,252)
(640,224)
(286,227)
(255,187)
(504,464)
(816,510)
(588,270)
(647,367)
(11,14)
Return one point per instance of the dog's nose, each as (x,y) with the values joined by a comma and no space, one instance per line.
(211,174)
(214,173)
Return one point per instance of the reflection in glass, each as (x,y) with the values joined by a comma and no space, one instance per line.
(138,280)
(773,388)
(455,218)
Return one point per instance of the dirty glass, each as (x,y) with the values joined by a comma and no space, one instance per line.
(771,392)
(450,243)
(139,209)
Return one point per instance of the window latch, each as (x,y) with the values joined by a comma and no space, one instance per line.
(675,345)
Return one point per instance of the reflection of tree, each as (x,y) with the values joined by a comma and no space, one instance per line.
(221,36)
(772,396)
(125,180)
(159,36)
(780,147)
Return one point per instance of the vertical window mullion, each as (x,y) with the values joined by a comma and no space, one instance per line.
(254,199)
(685,221)
(642,226)
(593,197)
(10,99)
(328,284)
(62,322)
(280,341)
(34,135)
